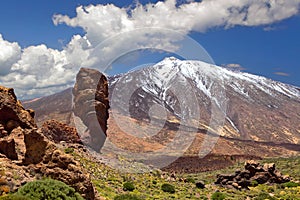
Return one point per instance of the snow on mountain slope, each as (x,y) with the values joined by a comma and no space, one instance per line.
(254,107)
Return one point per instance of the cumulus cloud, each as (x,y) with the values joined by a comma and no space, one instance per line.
(102,21)
(10,52)
(39,70)
(146,26)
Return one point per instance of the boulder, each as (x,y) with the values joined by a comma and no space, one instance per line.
(254,171)
(269,167)
(200,184)
(262,177)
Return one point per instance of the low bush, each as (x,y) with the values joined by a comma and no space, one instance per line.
(189,180)
(263,196)
(48,189)
(128,186)
(127,197)
(218,196)
(254,183)
(69,150)
(290,184)
(14,197)
(166,187)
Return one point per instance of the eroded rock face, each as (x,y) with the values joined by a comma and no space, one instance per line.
(254,173)
(90,100)
(57,132)
(13,119)
(24,148)
(60,166)
(12,113)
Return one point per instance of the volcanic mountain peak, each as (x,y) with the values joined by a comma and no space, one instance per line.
(256,108)
(201,71)
(204,76)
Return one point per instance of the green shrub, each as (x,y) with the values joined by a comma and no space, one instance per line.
(254,183)
(127,197)
(263,196)
(48,189)
(154,182)
(289,184)
(166,187)
(14,197)
(69,150)
(189,180)
(218,196)
(128,186)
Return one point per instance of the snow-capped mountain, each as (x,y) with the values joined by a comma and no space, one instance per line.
(254,115)
(253,107)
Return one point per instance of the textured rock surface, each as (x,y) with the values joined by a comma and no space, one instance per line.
(254,173)
(57,132)
(12,113)
(25,151)
(90,95)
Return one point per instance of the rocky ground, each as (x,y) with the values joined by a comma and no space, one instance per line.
(26,154)
(59,151)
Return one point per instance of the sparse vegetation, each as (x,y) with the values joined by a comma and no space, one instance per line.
(190,180)
(69,150)
(166,187)
(290,184)
(218,196)
(127,197)
(254,183)
(128,186)
(264,196)
(109,182)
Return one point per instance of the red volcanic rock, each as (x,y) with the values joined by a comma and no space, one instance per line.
(90,98)
(25,149)
(57,132)
(7,147)
(12,113)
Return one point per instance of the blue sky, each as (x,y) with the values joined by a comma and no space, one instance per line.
(269,48)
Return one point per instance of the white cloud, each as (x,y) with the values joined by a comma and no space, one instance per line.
(234,66)
(9,54)
(146,26)
(102,21)
(42,71)
(39,70)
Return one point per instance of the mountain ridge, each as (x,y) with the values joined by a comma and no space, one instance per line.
(261,119)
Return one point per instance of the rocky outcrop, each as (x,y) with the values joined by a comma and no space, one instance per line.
(13,119)
(58,132)
(26,151)
(90,107)
(12,113)
(253,174)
